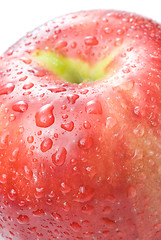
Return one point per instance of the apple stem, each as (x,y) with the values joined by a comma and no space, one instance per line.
(72,70)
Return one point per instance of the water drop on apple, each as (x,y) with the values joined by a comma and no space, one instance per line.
(91,40)
(85,143)
(68,126)
(84,194)
(23,219)
(20,106)
(44,117)
(7,88)
(38,213)
(94,107)
(56,216)
(58,158)
(109,223)
(46,144)
(75,227)
(28,85)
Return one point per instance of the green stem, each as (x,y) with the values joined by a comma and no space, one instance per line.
(73,70)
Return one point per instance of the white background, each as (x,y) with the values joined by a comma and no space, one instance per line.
(17,17)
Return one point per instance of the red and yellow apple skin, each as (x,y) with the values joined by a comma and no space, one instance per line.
(82,160)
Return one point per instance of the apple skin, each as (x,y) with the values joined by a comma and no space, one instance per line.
(82,161)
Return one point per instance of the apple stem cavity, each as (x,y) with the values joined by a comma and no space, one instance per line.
(73,70)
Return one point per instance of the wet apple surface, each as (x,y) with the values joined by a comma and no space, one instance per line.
(80,128)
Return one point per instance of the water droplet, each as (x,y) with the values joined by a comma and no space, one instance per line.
(90,40)
(21,129)
(20,106)
(51,194)
(26,60)
(138,154)
(105,19)
(14,174)
(38,213)
(91,171)
(29,153)
(108,30)
(7,88)
(49,201)
(68,126)
(139,130)
(57,89)
(46,144)
(56,135)
(129,49)
(28,86)
(21,203)
(10,52)
(110,122)
(28,174)
(44,117)
(65,116)
(39,192)
(27,43)
(86,125)
(12,194)
(84,194)
(118,42)
(85,143)
(32,229)
(74,161)
(56,216)
(39,132)
(4,139)
(72,98)
(131,193)
(57,31)
(6,110)
(65,188)
(30,139)
(63,107)
(109,223)
(73,45)
(11,234)
(66,206)
(84,91)
(94,107)
(12,117)
(61,44)
(23,219)
(138,111)
(58,158)
(3,178)
(120,32)
(75,227)
(88,209)
(23,79)
(39,235)
(14,156)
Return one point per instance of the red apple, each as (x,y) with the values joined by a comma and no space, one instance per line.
(80,130)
